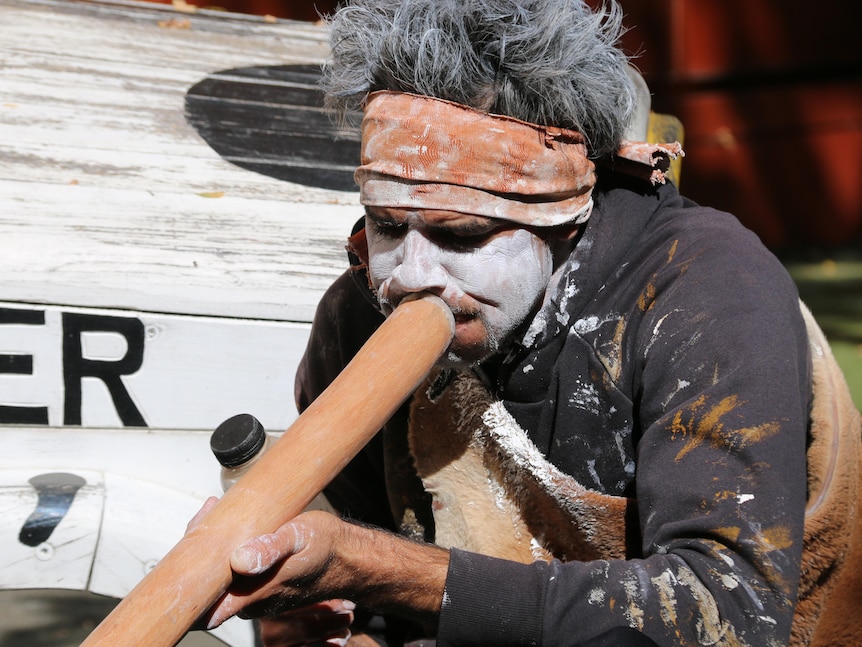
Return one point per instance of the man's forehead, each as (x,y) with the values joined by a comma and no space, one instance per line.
(419,152)
(437,218)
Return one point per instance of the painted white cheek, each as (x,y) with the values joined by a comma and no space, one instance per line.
(480,270)
(383,258)
(540,260)
(511,269)
(524,287)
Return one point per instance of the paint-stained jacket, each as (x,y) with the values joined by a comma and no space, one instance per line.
(671,370)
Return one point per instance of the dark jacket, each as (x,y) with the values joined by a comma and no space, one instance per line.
(672,368)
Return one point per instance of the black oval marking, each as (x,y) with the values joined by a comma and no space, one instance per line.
(270,119)
(56,492)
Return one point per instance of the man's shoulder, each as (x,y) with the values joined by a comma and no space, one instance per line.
(691,223)
(677,241)
(633,222)
(349,292)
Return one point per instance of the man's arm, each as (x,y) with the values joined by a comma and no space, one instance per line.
(318,557)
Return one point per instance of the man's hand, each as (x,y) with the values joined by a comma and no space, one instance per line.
(325,623)
(285,570)
(303,574)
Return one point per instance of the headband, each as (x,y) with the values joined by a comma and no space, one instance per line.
(426,153)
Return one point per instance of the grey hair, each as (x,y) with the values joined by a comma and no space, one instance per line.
(550,62)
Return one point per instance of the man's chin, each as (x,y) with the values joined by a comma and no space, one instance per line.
(474,342)
(454,361)
(460,357)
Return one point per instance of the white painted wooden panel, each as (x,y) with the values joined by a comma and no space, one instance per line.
(65,560)
(195,371)
(112,207)
(178,460)
(102,179)
(114,531)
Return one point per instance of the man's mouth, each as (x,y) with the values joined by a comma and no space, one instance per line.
(463,316)
(460,313)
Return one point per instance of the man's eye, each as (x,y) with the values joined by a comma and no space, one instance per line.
(463,241)
(388,229)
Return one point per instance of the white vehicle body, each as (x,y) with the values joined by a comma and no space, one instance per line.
(149,288)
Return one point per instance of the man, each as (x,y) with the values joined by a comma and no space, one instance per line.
(613,448)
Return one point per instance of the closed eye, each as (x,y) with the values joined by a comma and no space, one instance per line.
(387,228)
(459,241)
(461,234)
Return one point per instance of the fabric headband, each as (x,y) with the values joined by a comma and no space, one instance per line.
(421,152)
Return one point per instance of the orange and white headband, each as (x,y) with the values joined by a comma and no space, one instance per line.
(425,153)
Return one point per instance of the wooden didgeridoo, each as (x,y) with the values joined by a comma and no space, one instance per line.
(196,572)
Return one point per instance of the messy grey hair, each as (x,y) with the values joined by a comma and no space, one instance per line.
(550,62)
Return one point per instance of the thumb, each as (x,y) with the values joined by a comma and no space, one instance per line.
(262,553)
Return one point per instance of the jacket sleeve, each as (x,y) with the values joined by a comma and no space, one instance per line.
(719,374)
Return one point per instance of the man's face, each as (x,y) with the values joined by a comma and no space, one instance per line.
(491,273)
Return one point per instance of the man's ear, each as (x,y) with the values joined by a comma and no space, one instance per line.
(562,241)
(568,232)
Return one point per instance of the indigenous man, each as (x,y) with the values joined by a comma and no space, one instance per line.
(620,443)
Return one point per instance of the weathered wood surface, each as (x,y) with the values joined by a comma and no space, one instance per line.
(110,198)
(145,279)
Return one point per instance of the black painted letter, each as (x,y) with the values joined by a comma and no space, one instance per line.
(21,365)
(76,367)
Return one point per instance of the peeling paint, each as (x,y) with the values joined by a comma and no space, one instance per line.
(586,397)
(634,611)
(703,425)
(711,629)
(610,354)
(778,537)
(596,596)
(664,584)
(729,533)
(680,385)
(647,297)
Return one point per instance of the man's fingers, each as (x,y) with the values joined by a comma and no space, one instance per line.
(324,623)
(227,607)
(267,567)
(262,553)
(195,521)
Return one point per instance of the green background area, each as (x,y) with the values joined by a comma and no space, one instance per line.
(832,288)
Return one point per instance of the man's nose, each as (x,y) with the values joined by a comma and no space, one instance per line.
(421,268)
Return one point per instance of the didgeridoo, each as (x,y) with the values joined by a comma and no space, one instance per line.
(196,572)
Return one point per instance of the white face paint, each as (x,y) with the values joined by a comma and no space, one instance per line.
(490,273)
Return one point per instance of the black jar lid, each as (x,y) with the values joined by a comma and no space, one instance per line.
(237,440)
